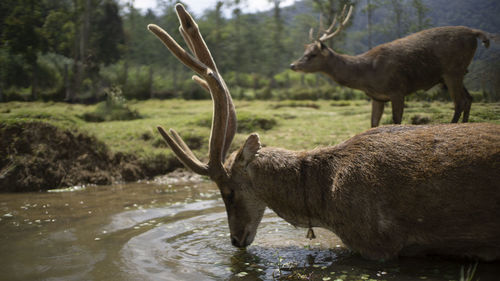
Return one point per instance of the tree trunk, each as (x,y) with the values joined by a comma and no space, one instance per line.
(34,81)
(369,14)
(174,77)
(150,82)
(67,91)
(218,27)
(1,92)
(397,7)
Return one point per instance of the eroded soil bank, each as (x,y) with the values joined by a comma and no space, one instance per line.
(37,156)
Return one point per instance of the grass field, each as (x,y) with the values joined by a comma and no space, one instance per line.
(293,125)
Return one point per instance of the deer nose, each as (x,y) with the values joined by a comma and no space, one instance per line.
(292,66)
(235,242)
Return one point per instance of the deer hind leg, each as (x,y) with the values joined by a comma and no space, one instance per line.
(377,110)
(398,104)
(461,97)
(468,103)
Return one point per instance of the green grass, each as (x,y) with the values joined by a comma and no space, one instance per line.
(292,125)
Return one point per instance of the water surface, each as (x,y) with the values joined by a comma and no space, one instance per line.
(170,230)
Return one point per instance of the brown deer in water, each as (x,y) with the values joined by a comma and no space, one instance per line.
(393,70)
(388,191)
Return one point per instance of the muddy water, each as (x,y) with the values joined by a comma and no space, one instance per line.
(175,231)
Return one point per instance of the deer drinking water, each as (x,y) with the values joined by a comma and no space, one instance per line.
(388,191)
(391,71)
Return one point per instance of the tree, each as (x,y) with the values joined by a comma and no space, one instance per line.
(397,7)
(22,34)
(369,9)
(421,11)
(278,29)
(108,39)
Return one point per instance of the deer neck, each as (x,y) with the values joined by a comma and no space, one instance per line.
(350,71)
(286,182)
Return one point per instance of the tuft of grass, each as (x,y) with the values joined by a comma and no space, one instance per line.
(420,119)
(468,275)
(296,104)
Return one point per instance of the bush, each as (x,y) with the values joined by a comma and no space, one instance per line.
(114,108)
(248,123)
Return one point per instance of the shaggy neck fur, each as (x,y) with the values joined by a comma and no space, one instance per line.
(292,175)
(350,71)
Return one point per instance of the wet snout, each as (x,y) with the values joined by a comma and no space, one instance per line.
(293,66)
(240,242)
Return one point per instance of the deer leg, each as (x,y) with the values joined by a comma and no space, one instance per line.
(398,104)
(377,110)
(468,103)
(458,94)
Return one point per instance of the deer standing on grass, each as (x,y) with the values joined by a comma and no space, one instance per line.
(392,190)
(393,70)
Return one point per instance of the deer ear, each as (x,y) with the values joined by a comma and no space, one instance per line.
(251,147)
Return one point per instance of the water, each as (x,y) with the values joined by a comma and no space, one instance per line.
(176,231)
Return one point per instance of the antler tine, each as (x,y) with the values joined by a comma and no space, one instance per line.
(311,36)
(186,157)
(327,36)
(177,50)
(201,82)
(190,29)
(334,22)
(186,39)
(348,16)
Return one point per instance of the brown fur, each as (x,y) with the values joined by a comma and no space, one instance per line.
(392,190)
(393,70)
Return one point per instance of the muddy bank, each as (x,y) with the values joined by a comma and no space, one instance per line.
(37,156)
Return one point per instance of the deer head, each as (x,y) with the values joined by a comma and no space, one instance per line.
(315,54)
(243,209)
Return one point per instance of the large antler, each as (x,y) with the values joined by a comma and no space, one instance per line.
(224,116)
(328,33)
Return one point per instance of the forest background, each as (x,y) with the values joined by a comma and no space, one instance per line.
(84,51)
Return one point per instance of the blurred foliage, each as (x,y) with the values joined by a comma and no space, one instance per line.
(73,50)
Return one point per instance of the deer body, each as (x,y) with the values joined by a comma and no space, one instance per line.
(393,70)
(392,190)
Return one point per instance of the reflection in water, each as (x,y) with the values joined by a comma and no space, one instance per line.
(149,231)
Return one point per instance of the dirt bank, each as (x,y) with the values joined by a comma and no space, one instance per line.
(38,156)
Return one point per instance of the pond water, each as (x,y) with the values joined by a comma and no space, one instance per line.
(170,230)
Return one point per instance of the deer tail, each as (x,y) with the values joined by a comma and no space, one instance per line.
(485,37)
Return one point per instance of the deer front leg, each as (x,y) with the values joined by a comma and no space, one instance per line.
(377,110)
(398,104)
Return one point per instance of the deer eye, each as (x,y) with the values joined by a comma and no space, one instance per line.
(311,56)
(230,196)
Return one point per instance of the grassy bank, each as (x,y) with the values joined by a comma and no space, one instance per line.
(290,124)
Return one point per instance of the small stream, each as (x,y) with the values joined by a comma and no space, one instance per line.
(171,230)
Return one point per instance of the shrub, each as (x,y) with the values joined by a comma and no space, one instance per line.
(114,108)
